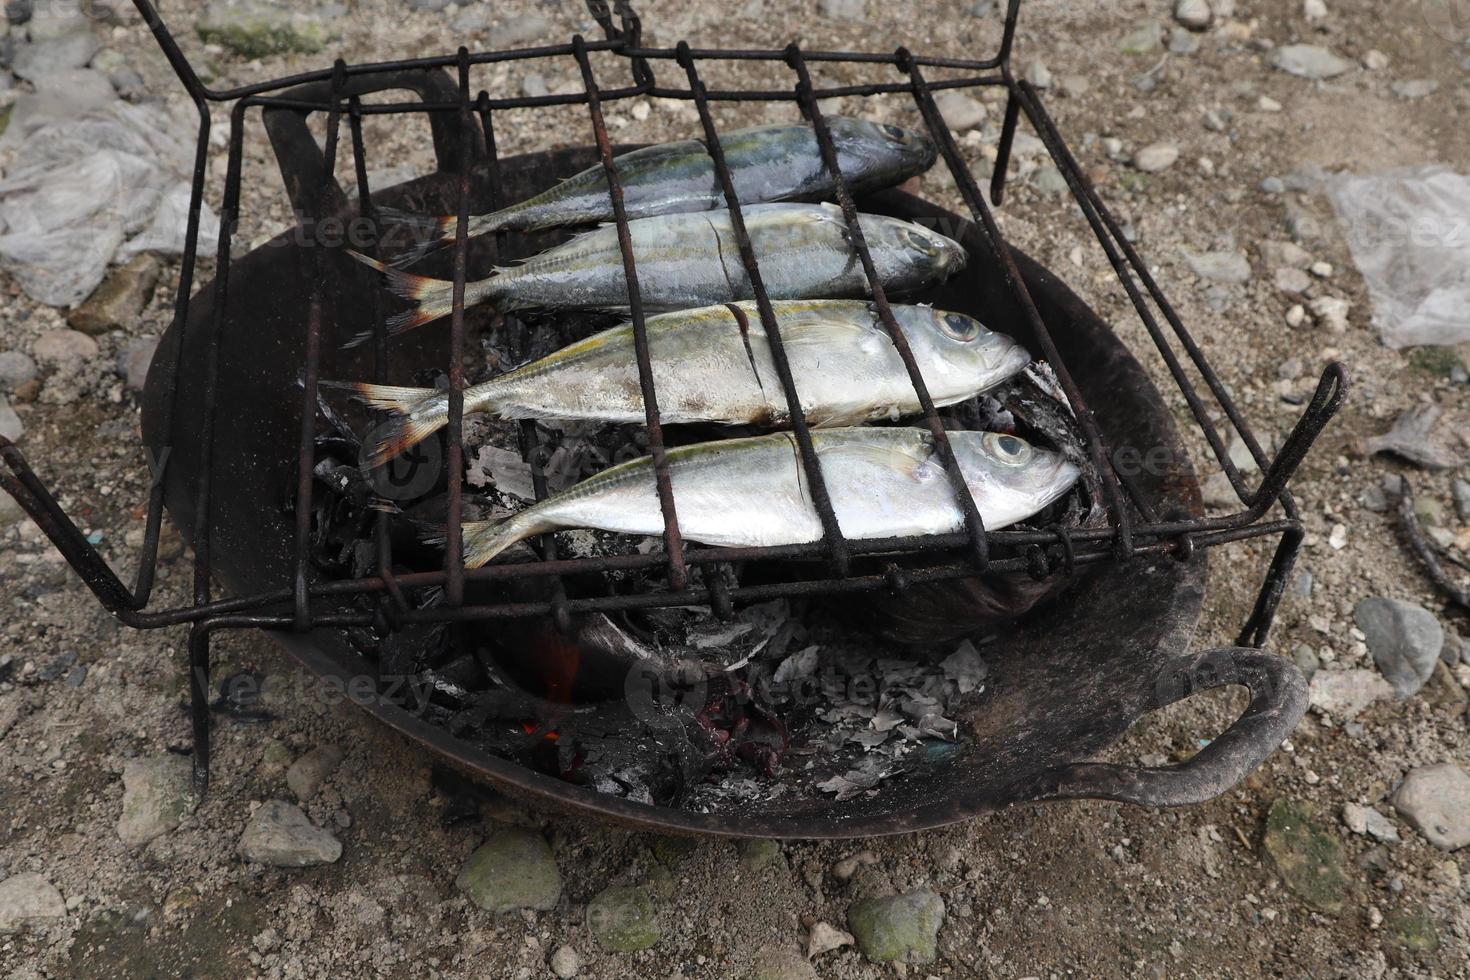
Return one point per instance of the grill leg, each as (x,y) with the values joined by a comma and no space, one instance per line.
(199,703)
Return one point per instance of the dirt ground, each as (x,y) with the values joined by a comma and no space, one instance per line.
(1090,889)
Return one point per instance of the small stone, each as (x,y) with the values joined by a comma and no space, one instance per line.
(533,86)
(1331,312)
(1345,694)
(1314,10)
(1306,660)
(514,869)
(1292,281)
(16,368)
(11,427)
(134,360)
(520,30)
(1038,74)
(1416,88)
(1193,14)
(565,962)
(1456,649)
(1296,315)
(1322,270)
(128,83)
(158,792)
(307,773)
(1049,180)
(1290,369)
(1404,639)
(1366,820)
(1272,185)
(1218,493)
(1375,60)
(1267,104)
(19,11)
(1460,491)
(1182,41)
(760,853)
(824,937)
(1232,267)
(258,29)
(1301,585)
(64,349)
(1274,253)
(1309,61)
(427,6)
(847,867)
(26,899)
(897,928)
(781,963)
(279,834)
(1213,121)
(1308,859)
(961,112)
(1436,800)
(1146,38)
(117,303)
(623,919)
(1413,929)
(1156,157)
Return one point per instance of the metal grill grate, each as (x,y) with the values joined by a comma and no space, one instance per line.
(1133,528)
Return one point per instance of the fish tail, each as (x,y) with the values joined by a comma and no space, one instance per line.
(434,297)
(428,231)
(484,540)
(417,414)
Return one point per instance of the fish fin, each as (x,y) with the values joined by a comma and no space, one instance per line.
(417,415)
(431,231)
(916,458)
(435,297)
(484,540)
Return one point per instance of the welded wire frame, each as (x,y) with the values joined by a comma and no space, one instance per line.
(1133,527)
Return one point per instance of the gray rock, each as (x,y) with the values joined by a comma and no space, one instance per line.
(1146,38)
(1182,41)
(117,303)
(1308,858)
(1290,254)
(280,834)
(1416,88)
(1218,493)
(64,349)
(1366,820)
(1415,437)
(27,898)
(844,9)
(16,368)
(1038,74)
(158,792)
(19,11)
(1306,660)
(519,31)
(1301,585)
(565,962)
(1459,491)
(898,928)
(1290,369)
(259,28)
(1456,649)
(533,86)
(1272,185)
(514,869)
(1375,500)
(1193,14)
(1232,267)
(307,773)
(759,853)
(133,361)
(1292,281)
(1331,312)
(1213,121)
(1404,639)
(1049,180)
(1309,61)
(128,83)
(11,427)
(1345,694)
(623,919)
(1436,800)
(65,53)
(1156,157)
(961,111)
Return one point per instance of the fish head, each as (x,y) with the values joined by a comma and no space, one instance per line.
(1010,478)
(888,150)
(923,255)
(961,355)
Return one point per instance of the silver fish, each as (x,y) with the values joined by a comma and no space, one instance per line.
(690,260)
(752,492)
(714,364)
(777,162)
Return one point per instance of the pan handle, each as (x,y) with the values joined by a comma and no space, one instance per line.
(1278,701)
(300,158)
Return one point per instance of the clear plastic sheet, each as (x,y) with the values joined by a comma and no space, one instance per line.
(1409,231)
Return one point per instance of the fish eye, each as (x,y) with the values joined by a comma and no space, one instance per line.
(895,133)
(1008,449)
(956,326)
(921,241)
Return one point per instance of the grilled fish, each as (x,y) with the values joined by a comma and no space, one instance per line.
(690,260)
(714,365)
(883,482)
(767,163)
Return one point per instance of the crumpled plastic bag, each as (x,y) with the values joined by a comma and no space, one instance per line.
(81,183)
(1409,231)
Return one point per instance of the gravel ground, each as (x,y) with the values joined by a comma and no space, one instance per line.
(1288,874)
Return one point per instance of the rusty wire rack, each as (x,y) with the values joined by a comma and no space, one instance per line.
(1133,527)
